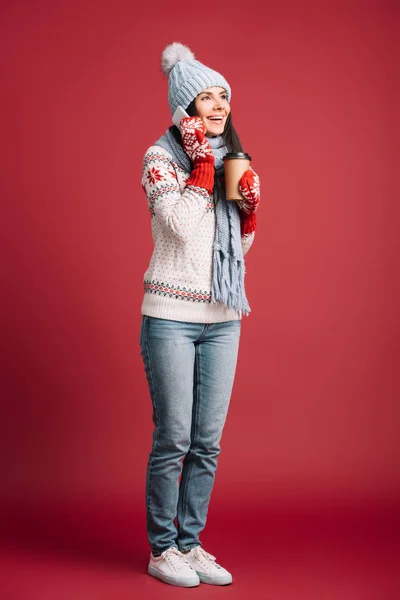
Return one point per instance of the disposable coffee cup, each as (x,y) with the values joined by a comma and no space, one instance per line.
(235,164)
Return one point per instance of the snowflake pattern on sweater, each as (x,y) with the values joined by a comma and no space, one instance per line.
(183,224)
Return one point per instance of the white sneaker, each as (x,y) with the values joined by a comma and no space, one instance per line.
(206,568)
(172,567)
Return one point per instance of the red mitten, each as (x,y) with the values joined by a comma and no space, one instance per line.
(249,186)
(198,149)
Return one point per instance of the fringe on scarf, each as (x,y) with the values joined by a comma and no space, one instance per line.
(228,281)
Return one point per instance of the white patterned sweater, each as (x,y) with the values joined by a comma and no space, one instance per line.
(178,280)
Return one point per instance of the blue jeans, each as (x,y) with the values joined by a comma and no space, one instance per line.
(190,369)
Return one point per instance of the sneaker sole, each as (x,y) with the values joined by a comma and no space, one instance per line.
(227,580)
(172,580)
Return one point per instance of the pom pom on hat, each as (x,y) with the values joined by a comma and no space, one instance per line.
(173,54)
(187,77)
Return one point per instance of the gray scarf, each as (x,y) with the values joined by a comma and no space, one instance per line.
(228,261)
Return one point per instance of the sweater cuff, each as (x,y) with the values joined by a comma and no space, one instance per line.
(248,223)
(202,176)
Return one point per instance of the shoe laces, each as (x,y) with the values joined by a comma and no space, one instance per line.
(175,559)
(205,558)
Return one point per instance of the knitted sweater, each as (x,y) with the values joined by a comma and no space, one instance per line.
(177,283)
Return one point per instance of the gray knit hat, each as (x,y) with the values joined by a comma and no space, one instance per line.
(187,77)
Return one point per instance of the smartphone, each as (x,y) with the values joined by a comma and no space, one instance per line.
(179,114)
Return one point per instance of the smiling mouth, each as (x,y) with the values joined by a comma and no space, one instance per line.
(216,119)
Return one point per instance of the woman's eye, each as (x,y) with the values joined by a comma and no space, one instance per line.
(223,97)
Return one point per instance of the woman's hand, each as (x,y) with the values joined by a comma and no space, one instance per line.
(198,149)
(194,140)
(249,186)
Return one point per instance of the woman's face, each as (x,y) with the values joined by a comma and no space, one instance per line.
(213,109)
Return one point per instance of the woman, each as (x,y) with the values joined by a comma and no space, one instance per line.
(193,304)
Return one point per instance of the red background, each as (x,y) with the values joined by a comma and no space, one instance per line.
(312,433)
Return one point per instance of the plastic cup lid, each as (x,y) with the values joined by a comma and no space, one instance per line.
(233,155)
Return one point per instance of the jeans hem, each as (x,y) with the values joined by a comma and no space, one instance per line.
(185,549)
(158,551)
